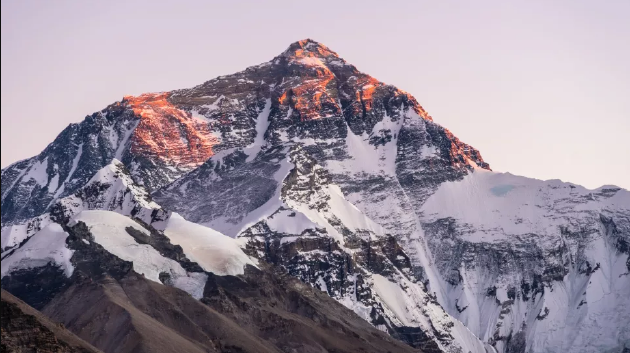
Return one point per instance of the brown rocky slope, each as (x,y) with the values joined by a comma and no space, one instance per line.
(25,329)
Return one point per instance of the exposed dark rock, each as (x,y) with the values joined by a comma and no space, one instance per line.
(162,243)
(36,286)
(543,314)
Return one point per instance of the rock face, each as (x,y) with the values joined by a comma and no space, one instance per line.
(346,183)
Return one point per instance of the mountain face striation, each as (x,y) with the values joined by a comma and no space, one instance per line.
(302,205)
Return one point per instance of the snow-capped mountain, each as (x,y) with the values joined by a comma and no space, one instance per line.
(306,164)
(541,262)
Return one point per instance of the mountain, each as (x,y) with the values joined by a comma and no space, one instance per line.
(305,167)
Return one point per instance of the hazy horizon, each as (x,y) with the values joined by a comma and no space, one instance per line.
(540,89)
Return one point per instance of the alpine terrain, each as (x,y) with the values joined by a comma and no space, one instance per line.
(301,205)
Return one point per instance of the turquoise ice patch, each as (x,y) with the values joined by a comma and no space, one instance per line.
(501,190)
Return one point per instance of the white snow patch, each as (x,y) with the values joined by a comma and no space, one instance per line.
(428,151)
(349,214)
(200,118)
(122,144)
(214,105)
(193,284)
(17,179)
(409,304)
(311,61)
(336,62)
(367,158)
(392,296)
(262,123)
(351,302)
(215,252)
(38,172)
(122,195)
(53,184)
(75,163)
(14,234)
(322,285)
(497,206)
(112,135)
(341,209)
(272,205)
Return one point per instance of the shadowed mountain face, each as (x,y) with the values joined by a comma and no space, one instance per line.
(303,205)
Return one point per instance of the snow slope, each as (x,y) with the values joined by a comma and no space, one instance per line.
(109,230)
(13,235)
(496,206)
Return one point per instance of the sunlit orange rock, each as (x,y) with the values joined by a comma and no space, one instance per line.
(299,50)
(462,154)
(169,134)
(417,107)
(313,99)
(366,87)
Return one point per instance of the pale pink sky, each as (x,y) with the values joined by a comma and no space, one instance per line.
(541,88)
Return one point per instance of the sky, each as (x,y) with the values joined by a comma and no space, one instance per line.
(541,88)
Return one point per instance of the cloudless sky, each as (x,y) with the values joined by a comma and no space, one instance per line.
(541,88)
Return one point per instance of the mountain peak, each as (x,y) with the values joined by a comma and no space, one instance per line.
(308,48)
